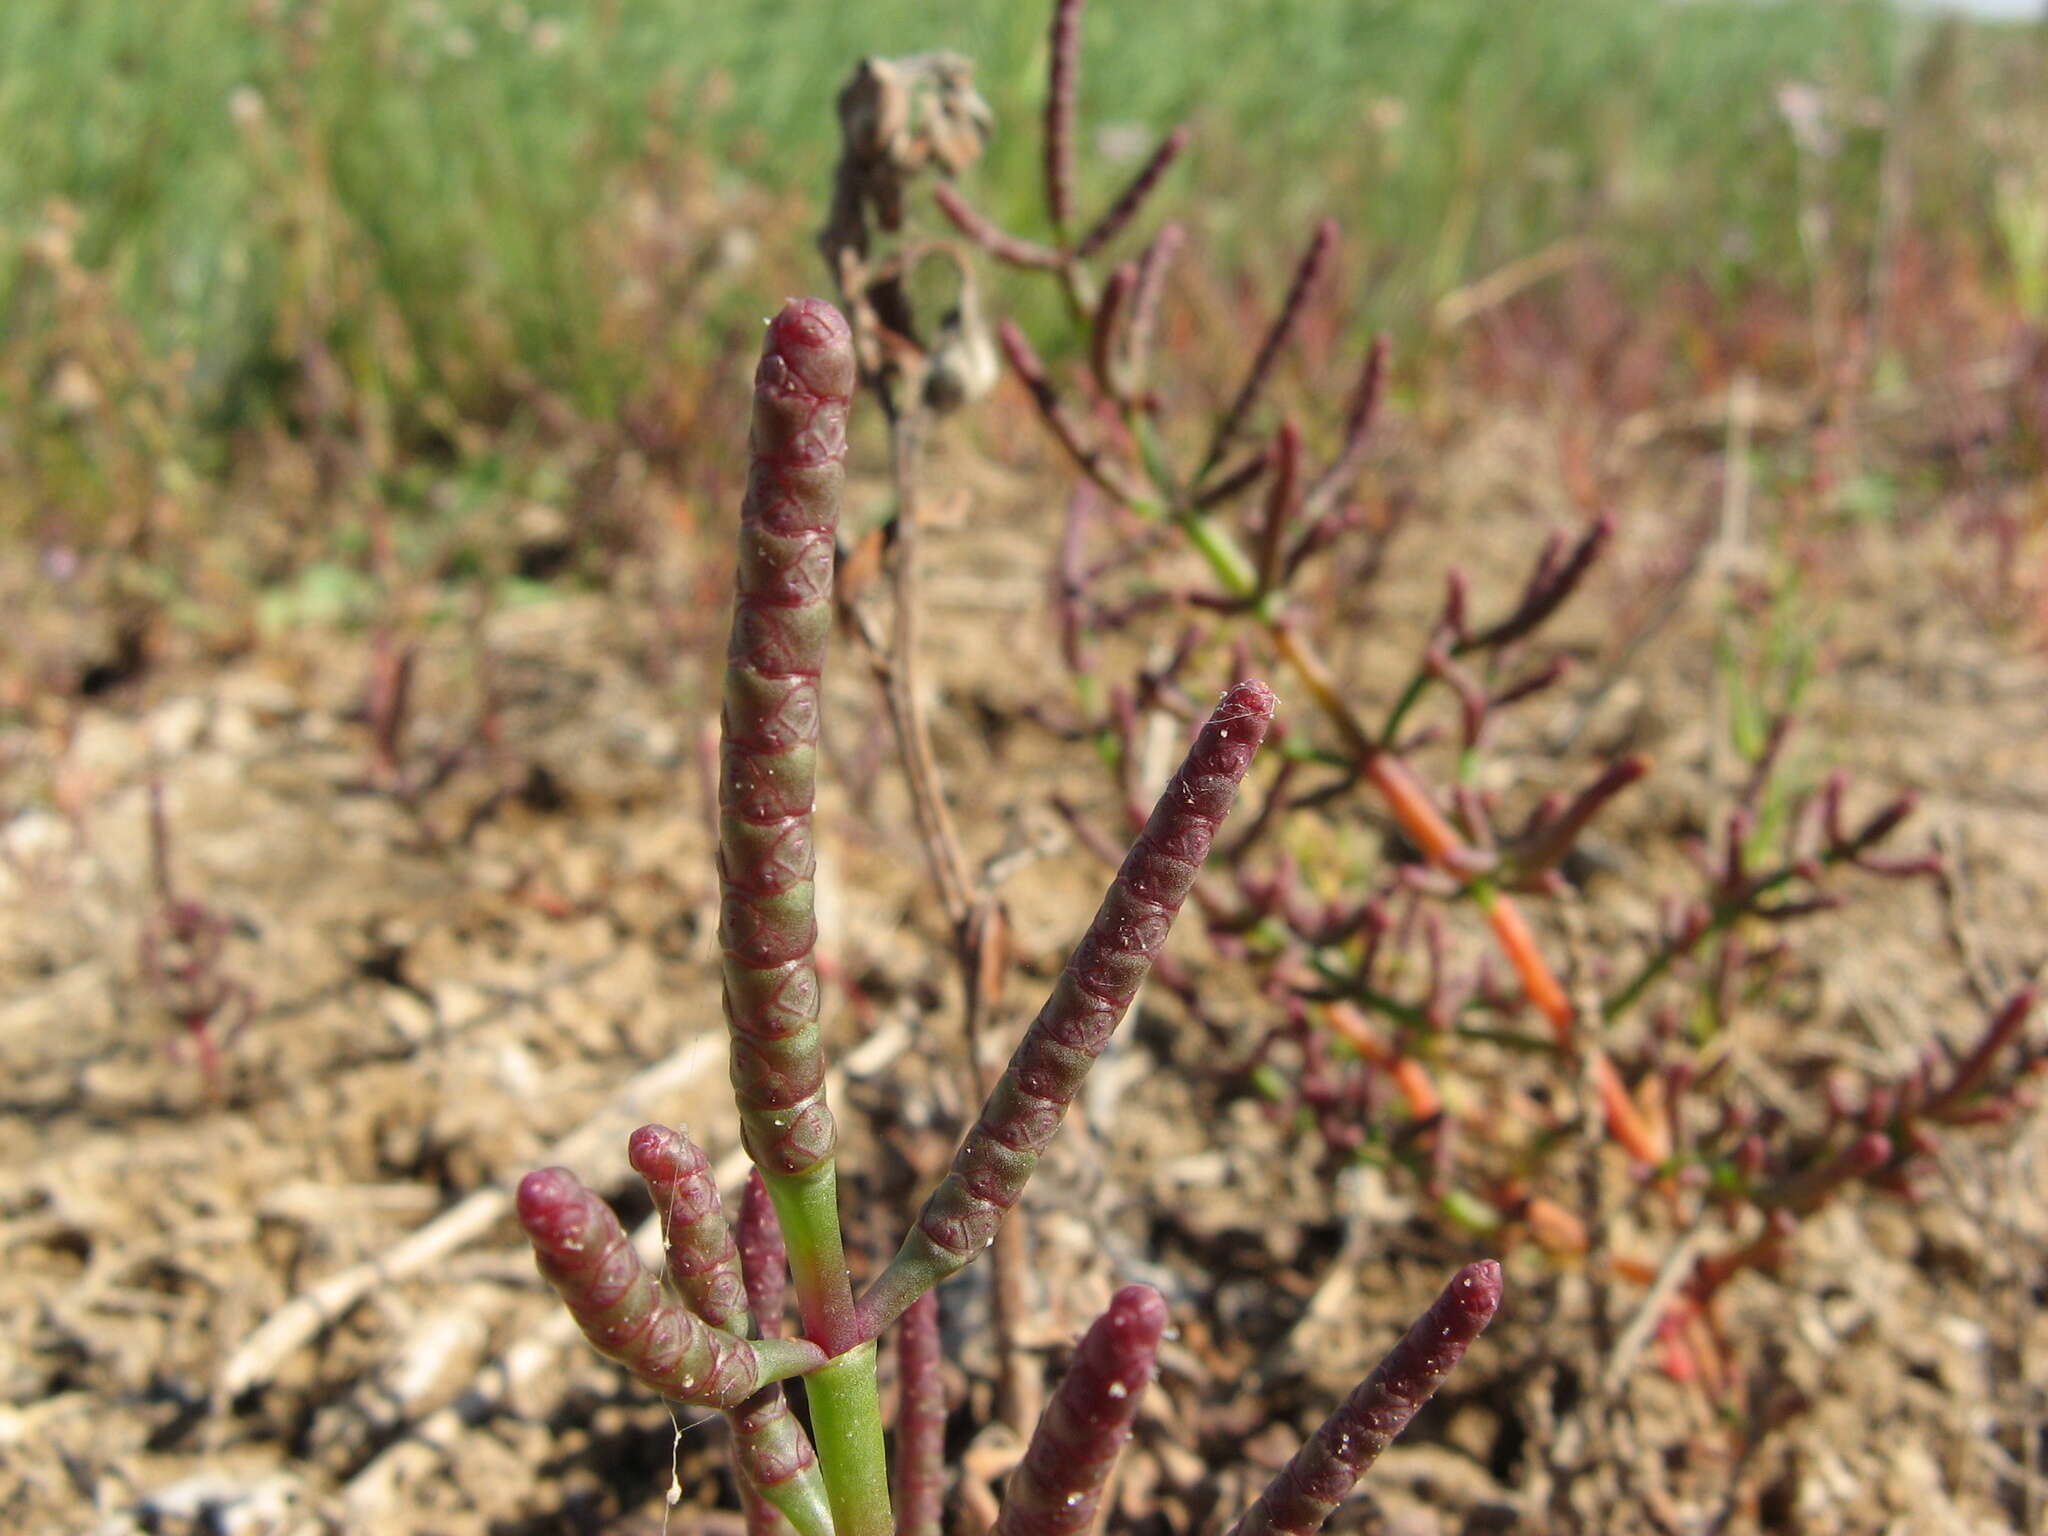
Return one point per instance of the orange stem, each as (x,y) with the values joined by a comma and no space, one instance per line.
(1538,983)
(1626,1122)
(1426,826)
(1411,1077)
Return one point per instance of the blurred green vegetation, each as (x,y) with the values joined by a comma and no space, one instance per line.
(442,207)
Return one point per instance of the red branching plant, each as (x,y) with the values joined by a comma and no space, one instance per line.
(399,766)
(181,951)
(707,1331)
(1378,1005)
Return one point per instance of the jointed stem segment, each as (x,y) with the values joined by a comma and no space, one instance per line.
(770,1451)
(768,765)
(586,1255)
(1087,1003)
(1321,1473)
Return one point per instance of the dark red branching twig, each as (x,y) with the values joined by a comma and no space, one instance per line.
(1065,52)
(181,950)
(999,243)
(1314,259)
(1147,292)
(1558,574)
(1073,436)
(1343,471)
(1117,217)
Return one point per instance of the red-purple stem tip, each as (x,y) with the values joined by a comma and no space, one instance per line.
(1057,1488)
(1323,1472)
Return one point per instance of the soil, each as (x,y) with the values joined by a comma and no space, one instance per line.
(440,992)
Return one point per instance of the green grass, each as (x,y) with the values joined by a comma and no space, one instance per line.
(467,161)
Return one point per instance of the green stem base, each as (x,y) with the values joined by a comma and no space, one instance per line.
(846,1424)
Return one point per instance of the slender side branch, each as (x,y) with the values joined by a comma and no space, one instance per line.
(984,232)
(1102,976)
(1146,296)
(1125,208)
(1323,1472)
(1306,271)
(1062,87)
(703,1261)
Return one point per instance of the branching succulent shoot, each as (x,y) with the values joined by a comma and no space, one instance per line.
(709,1332)
(1381,1029)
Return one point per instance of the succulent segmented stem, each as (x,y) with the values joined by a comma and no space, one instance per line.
(760,1518)
(1557,575)
(920,1422)
(1283,501)
(1058,1486)
(586,1256)
(764,1258)
(1336,480)
(773,1455)
(1102,329)
(767,780)
(2004,1027)
(1319,1476)
(703,1261)
(776,1462)
(1306,271)
(1146,295)
(1088,1002)
(984,232)
(767,928)
(1105,470)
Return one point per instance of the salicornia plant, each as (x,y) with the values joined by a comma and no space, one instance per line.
(1210,538)
(708,1334)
